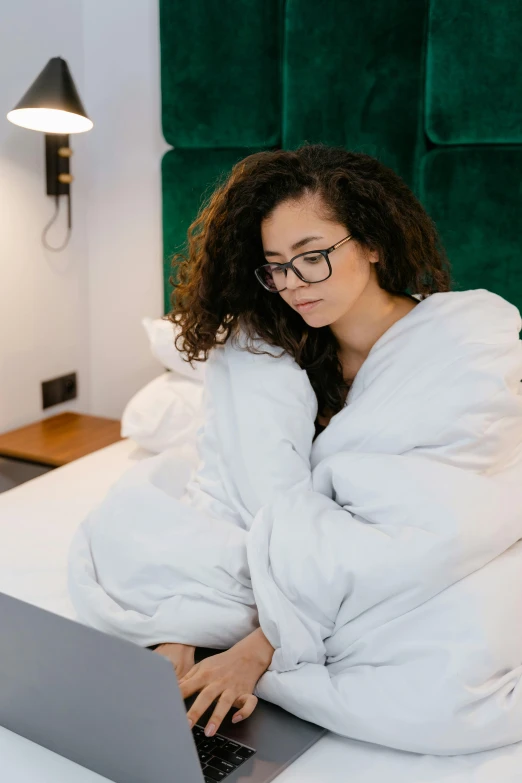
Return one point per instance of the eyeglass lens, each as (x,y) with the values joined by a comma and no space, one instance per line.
(313,268)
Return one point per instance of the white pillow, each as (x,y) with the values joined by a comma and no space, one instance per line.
(161,334)
(166,412)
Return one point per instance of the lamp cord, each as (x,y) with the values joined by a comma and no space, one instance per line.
(53,219)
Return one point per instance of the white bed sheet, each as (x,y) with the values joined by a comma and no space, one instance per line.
(37,521)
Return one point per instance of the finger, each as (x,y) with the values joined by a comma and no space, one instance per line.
(222,707)
(189,685)
(203,702)
(191,671)
(181,668)
(247,704)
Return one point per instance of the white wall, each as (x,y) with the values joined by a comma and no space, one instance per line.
(80,309)
(43,295)
(122,91)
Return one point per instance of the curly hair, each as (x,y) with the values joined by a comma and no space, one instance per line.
(216,294)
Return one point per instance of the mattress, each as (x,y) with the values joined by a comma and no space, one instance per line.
(37,522)
(38,519)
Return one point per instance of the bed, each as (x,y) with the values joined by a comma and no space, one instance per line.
(37,521)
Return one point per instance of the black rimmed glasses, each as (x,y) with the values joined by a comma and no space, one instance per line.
(311,267)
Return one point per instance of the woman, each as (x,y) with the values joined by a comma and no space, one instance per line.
(260,217)
(415,409)
(273,206)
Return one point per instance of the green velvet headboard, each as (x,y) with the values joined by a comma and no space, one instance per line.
(433,88)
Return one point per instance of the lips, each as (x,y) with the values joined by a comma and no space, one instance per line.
(306,301)
(306,307)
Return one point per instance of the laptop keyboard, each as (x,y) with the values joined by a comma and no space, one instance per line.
(218,755)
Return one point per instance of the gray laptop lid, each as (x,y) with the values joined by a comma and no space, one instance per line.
(46,696)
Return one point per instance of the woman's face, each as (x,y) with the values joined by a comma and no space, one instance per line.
(353,268)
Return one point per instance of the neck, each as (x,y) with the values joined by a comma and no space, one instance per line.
(371,316)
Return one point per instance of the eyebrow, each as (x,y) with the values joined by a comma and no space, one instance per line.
(295,246)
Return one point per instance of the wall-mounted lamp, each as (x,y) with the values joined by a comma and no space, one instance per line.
(52,105)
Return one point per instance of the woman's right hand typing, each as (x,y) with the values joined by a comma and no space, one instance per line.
(181,656)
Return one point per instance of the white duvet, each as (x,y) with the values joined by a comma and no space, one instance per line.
(383,561)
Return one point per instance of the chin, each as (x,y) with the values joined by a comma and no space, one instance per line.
(316,320)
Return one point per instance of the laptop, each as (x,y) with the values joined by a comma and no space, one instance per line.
(116,708)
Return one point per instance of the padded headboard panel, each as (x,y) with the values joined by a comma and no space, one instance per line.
(433,88)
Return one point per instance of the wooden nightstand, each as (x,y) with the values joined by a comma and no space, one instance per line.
(60,439)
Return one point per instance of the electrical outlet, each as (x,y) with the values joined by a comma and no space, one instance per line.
(59,390)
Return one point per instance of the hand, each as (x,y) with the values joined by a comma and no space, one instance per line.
(230,677)
(181,656)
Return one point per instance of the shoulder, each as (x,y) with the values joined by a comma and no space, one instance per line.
(247,349)
(472,316)
(241,350)
(253,364)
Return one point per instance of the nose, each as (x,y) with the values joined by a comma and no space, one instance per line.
(293,281)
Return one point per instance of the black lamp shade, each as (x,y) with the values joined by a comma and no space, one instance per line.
(52,104)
